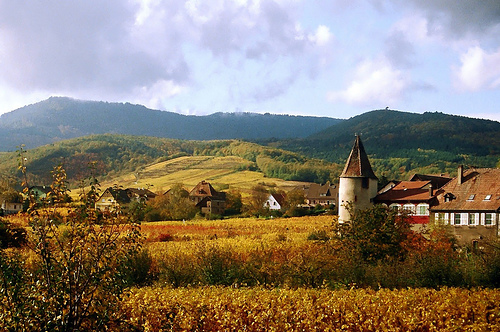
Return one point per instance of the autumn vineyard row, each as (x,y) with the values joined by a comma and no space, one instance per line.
(259,309)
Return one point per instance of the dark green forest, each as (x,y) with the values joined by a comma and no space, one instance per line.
(60,118)
(401,143)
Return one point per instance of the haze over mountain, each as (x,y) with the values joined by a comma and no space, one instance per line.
(59,118)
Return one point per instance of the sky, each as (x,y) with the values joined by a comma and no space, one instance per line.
(335,58)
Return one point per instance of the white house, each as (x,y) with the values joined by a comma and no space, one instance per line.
(275,202)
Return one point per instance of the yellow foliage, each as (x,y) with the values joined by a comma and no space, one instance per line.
(258,309)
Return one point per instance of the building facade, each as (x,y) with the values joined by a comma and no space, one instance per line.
(470,204)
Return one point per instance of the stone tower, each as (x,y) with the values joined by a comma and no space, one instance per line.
(358,183)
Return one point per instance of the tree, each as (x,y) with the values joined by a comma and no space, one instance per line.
(174,205)
(234,203)
(294,199)
(376,233)
(258,197)
(72,276)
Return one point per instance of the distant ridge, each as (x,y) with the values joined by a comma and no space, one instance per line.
(402,142)
(59,118)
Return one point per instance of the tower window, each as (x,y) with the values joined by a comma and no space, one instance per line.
(365,183)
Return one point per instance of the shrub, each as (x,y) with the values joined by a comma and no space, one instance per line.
(11,236)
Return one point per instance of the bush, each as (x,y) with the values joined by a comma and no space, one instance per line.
(11,236)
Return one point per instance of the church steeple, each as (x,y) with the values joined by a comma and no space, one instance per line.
(357,164)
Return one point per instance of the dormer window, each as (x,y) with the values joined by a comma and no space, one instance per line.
(449,197)
(487,198)
(471,197)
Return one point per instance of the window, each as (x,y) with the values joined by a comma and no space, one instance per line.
(471,197)
(410,208)
(441,217)
(457,220)
(365,183)
(472,219)
(422,209)
(394,207)
(487,198)
(448,197)
(488,219)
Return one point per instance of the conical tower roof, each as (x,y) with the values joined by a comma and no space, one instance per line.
(357,164)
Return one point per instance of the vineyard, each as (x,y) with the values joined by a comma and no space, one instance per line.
(244,274)
(258,309)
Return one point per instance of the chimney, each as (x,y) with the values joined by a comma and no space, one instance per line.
(431,191)
(460,175)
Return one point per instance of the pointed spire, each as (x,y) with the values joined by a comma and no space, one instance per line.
(357,164)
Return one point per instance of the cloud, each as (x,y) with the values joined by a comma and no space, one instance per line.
(122,48)
(478,70)
(458,18)
(375,83)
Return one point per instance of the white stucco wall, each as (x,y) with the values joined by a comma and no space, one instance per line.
(351,190)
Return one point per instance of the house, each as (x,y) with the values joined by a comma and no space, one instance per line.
(357,183)
(39,193)
(9,207)
(470,203)
(113,198)
(317,194)
(275,202)
(414,197)
(207,199)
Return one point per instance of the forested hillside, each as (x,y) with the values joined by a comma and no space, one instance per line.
(115,155)
(401,143)
(61,118)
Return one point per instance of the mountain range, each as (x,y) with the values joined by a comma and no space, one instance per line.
(60,118)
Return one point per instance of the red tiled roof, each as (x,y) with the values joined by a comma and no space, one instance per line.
(406,191)
(280,198)
(437,180)
(318,191)
(357,164)
(479,182)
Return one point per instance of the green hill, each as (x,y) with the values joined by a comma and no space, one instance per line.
(401,143)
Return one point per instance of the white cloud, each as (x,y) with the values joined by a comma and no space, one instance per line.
(375,83)
(479,70)
(322,36)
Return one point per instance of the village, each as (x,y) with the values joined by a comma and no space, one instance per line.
(469,202)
